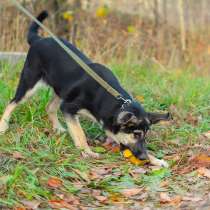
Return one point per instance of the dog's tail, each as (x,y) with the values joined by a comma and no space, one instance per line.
(34,27)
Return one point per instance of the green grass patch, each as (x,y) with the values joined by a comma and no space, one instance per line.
(46,154)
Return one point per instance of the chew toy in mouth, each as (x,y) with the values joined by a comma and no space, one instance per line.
(129,155)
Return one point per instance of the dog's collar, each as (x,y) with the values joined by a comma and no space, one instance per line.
(126,102)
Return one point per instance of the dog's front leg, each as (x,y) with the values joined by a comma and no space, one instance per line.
(78,136)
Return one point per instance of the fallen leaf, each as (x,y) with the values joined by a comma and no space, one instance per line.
(140,98)
(135,173)
(54,182)
(96,192)
(198,161)
(70,199)
(176,200)
(174,157)
(192,199)
(82,174)
(131,192)
(99,173)
(139,171)
(100,198)
(146,208)
(115,149)
(141,197)
(58,204)
(110,145)
(204,172)
(19,208)
(207,135)
(93,175)
(193,120)
(18,155)
(33,204)
(116,197)
(166,199)
(164,184)
(202,160)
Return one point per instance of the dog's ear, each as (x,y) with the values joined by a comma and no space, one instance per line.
(157,117)
(126,117)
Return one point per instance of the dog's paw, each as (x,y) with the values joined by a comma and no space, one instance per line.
(59,129)
(157,162)
(3,127)
(163,163)
(90,154)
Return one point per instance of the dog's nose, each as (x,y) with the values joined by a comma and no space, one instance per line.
(143,156)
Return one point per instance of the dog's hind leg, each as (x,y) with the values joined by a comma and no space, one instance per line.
(28,84)
(78,136)
(52,109)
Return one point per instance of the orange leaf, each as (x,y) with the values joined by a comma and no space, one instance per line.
(140,98)
(176,200)
(54,182)
(115,197)
(202,160)
(164,198)
(204,172)
(59,204)
(115,149)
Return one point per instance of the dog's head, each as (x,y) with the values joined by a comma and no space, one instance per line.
(134,123)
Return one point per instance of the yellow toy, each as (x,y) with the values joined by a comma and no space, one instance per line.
(128,154)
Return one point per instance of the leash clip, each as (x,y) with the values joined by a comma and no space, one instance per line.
(126,102)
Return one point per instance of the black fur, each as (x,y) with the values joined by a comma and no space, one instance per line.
(33,30)
(46,60)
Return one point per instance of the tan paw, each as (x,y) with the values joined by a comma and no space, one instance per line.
(90,154)
(59,129)
(157,162)
(3,127)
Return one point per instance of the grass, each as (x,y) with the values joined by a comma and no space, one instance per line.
(45,154)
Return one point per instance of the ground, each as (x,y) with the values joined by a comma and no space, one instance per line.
(41,169)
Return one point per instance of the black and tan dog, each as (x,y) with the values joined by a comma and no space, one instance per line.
(77,93)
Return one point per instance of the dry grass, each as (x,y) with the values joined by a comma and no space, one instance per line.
(116,34)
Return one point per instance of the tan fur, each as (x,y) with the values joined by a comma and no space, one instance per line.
(6,116)
(33,90)
(129,139)
(78,135)
(52,109)
(124,138)
(4,123)
(86,114)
